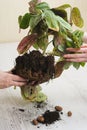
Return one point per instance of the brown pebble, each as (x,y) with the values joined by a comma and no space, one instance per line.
(40,119)
(58,108)
(35,122)
(69,113)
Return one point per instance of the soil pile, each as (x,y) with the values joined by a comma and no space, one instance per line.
(51,116)
(47,118)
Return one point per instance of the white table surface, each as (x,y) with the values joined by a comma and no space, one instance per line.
(68,91)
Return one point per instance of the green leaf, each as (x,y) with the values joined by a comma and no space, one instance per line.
(77,37)
(24,21)
(61,47)
(76,65)
(78,33)
(76,17)
(51,20)
(67,65)
(32,93)
(64,23)
(35,45)
(82,64)
(56,52)
(41,28)
(60,12)
(43,42)
(42,5)
(64,6)
(34,20)
(19,19)
(41,97)
(69,42)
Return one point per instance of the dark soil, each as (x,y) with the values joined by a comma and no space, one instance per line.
(51,116)
(35,67)
(22,110)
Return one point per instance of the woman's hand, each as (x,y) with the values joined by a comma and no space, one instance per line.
(80,54)
(7,80)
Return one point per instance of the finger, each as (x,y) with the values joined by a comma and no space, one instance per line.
(82,55)
(72,49)
(84,46)
(14,83)
(18,78)
(77,60)
(82,49)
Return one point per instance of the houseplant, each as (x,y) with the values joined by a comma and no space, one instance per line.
(46,26)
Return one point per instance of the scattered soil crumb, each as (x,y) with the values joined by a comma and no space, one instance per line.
(22,110)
